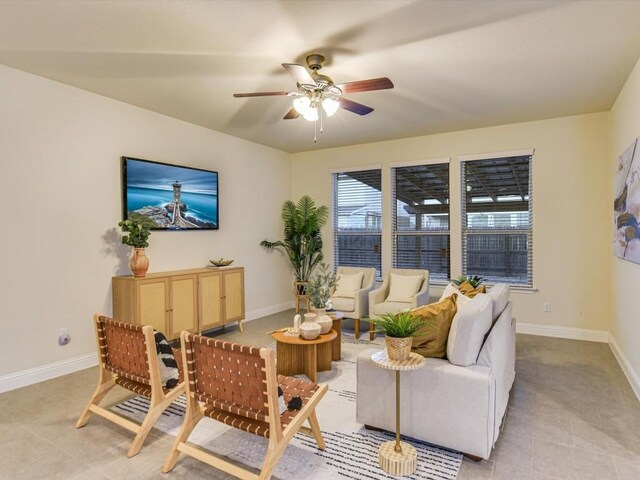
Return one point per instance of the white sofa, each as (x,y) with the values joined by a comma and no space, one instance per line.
(458,407)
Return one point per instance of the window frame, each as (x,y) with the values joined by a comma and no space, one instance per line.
(335,217)
(394,214)
(464,230)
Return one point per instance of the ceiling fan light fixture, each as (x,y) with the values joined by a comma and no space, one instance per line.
(330,106)
(311,114)
(302,104)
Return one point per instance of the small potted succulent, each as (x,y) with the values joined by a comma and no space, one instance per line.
(138,234)
(399,329)
(474,280)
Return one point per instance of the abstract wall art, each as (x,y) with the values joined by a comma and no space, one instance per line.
(626,205)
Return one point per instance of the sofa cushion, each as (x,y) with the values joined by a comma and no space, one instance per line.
(348,284)
(343,304)
(468,329)
(499,294)
(404,287)
(390,307)
(431,339)
(461,298)
(470,291)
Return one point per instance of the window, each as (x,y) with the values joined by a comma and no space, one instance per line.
(497,222)
(420,218)
(357,206)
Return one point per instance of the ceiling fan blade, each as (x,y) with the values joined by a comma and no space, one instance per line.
(259,94)
(354,107)
(301,74)
(291,114)
(366,85)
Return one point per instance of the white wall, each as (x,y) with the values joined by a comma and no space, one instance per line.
(570,202)
(60,151)
(625,285)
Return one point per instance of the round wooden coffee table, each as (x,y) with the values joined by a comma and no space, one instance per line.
(297,355)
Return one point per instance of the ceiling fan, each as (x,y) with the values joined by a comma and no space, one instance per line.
(318,95)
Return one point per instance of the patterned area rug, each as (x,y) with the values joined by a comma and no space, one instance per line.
(351,451)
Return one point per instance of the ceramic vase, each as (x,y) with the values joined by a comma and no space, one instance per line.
(310,329)
(398,348)
(139,263)
(323,320)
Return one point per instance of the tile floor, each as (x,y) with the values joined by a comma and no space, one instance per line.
(572,415)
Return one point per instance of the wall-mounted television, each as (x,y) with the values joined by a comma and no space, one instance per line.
(169,197)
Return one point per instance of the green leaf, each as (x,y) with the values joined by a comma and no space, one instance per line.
(302,239)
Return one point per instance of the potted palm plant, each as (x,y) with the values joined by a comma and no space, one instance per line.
(302,241)
(138,234)
(399,329)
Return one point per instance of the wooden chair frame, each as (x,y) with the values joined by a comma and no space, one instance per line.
(278,438)
(160,399)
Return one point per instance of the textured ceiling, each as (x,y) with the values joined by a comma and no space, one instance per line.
(455,64)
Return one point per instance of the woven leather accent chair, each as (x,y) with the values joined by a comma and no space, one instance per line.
(128,358)
(237,385)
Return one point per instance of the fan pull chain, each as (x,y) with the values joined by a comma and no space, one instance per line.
(315,132)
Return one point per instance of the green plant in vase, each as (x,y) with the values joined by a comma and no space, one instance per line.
(474,280)
(321,285)
(138,229)
(319,290)
(399,329)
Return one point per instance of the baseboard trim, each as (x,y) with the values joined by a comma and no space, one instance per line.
(263,312)
(47,372)
(563,332)
(23,378)
(625,364)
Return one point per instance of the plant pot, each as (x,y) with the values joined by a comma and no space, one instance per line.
(323,320)
(310,329)
(398,348)
(139,263)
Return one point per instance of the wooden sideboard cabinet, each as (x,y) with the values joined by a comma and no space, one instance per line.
(193,300)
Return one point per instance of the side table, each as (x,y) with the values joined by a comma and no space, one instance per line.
(296,355)
(396,457)
(336,327)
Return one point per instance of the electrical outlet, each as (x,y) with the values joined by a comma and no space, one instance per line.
(64,337)
(547,306)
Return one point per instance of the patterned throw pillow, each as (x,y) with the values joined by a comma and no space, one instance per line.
(294,404)
(431,339)
(168,367)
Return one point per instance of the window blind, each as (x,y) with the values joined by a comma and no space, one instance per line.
(357,210)
(420,218)
(497,219)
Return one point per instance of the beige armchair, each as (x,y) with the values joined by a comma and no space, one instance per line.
(405,294)
(355,302)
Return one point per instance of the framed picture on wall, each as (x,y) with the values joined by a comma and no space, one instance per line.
(626,204)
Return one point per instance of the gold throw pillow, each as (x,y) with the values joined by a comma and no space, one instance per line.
(467,289)
(431,340)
